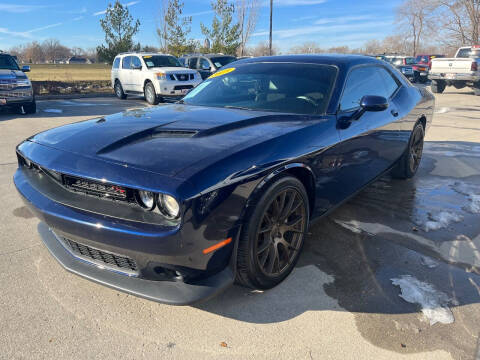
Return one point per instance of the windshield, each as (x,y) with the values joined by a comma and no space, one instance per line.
(276,87)
(8,63)
(222,61)
(161,61)
(410,60)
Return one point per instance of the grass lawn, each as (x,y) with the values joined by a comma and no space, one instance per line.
(69,73)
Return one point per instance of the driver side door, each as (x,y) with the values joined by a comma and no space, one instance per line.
(371,144)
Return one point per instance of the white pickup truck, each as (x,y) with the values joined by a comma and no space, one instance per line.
(460,71)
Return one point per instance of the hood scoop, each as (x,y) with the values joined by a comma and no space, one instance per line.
(174,133)
(152,133)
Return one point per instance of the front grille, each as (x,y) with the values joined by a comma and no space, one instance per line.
(183,87)
(14,94)
(112,261)
(184,77)
(8,84)
(99,189)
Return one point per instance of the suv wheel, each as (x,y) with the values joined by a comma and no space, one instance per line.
(30,108)
(150,94)
(119,90)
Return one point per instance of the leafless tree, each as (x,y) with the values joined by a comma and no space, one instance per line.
(461,21)
(415,16)
(247,11)
(162,26)
(309,47)
(33,53)
(53,50)
(262,49)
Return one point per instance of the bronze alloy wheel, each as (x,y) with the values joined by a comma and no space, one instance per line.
(416,150)
(280,232)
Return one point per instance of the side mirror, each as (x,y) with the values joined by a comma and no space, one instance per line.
(374,103)
(138,67)
(26,68)
(208,68)
(370,103)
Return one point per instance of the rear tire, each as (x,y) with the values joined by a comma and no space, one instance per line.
(438,86)
(119,93)
(409,163)
(476,89)
(150,94)
(273,234)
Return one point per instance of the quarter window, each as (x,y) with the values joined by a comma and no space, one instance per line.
(366,80)
(126,62)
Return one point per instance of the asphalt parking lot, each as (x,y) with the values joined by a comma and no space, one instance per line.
(419,239)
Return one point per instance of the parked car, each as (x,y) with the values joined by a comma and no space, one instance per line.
(153,75)
(175,203)
(416,73)
(16,90)
(427,59)
(460,71)
(207,64)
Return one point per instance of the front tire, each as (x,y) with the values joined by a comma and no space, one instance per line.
(119,93)
(150,94)
(273,235)
(438,86)
(30,108)
(408,164)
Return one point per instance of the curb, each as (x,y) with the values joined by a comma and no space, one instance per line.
(72,96)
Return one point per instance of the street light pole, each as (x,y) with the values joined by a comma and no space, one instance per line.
(271,18)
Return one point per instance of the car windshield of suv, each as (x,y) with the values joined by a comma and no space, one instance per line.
(410,60)
(222,61)
(8,63)
(276,87)
(161,61)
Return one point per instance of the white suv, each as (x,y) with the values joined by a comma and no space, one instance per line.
(153,75)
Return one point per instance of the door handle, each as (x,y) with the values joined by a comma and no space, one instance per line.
(394,113)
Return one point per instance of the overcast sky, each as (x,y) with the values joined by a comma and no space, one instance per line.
(76,23)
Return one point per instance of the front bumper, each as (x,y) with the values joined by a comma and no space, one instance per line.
(11,98)
(168,292)
(152,247)
(175,88)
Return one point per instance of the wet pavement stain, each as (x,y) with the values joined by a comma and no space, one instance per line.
(22,212)
(426,228)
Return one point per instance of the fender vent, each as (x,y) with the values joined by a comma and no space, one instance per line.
(175,133)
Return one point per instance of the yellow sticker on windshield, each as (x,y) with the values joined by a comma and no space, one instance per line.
(147,57)
(221,72)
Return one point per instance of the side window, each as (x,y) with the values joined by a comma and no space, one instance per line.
(366,80)
(192,63)
(116,63)
(391,84)
(204,64)
(463,53)
(136,62)
(126,62)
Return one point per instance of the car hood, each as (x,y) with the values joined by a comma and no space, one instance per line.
(172,69)
(12,74)
(171,138)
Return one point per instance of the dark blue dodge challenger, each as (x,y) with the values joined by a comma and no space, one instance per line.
(175,203)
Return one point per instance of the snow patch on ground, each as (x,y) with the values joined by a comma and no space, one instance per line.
(442,110)
(54,111)
(473,194)
(441,220)
(428,262)
(73,103)
(434,303)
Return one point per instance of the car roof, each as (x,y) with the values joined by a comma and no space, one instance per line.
(142,54)
(339,60)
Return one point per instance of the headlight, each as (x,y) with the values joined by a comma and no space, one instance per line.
(168,206)
(161,76)
(146,199)
(23,82)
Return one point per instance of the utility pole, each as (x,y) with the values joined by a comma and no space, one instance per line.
(271,18)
